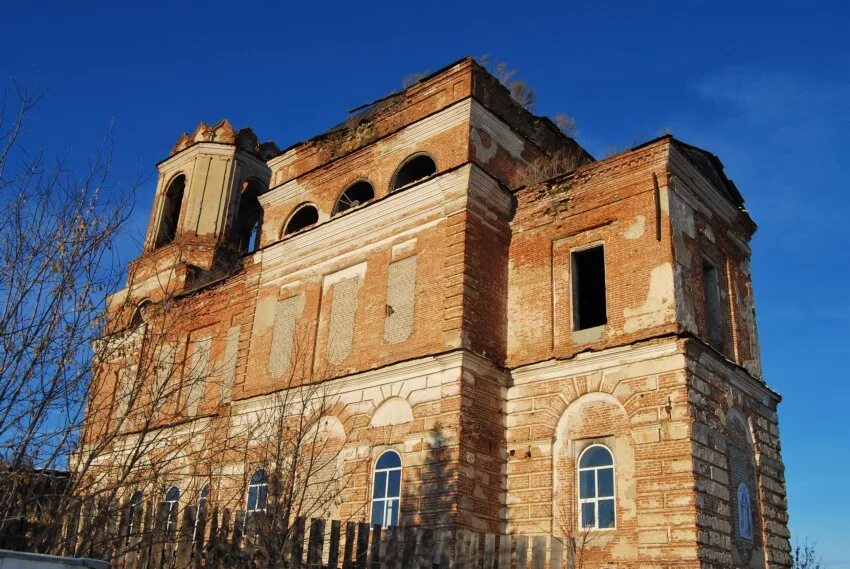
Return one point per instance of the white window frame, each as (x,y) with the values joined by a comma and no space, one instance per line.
(387,501)
(595,500)
(257,485)
(132,505)
(173,506)
(203,503)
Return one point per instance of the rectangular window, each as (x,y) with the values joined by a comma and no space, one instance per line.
(588,274)
(713,310)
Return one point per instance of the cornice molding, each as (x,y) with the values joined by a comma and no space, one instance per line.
(594,361)
(738,377)
(424,198)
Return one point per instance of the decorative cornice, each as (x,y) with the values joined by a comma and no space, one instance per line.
(224,133)
(738,377)
(423,198)
(712,200)
(593,361)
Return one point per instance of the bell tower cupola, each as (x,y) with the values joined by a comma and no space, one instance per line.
(206,213)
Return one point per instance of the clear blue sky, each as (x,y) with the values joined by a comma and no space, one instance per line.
(766,86)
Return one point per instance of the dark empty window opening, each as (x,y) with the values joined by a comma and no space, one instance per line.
(140,314)
(414,169)
(713,310)
(172,202)
(355,195)
(588,274)
(305,217)
(249,219)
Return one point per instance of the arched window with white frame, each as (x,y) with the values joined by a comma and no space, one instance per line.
(171,500)
(258,492)
(134,513)
(203,501)
(596,484)
(386,489)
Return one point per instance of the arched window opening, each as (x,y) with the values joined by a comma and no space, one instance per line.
(386,490)
(203,501)
(249,218)
(597,502)
(258,492)
(305,217)
(134,511)
(203,497)
(172,497)
(354,195)
(412,170)
(140,314)
(172,202)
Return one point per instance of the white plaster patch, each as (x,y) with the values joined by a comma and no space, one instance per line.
(328,427)
(404,247)
(286,316)
(201,349)
(588,335)
(636,229)
(682,214)
(356,271)
(287,191)
(229,364)
(393,411)
(485,151)
(401,300)
(500,133)
(343,312)
(264,313)
(686,312)
(659,305)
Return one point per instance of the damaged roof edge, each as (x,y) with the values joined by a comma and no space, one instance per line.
(364,111)
(715,163)
(365,108)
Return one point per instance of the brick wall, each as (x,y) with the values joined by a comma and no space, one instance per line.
(438,321)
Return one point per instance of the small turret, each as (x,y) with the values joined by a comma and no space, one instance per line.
(206,213)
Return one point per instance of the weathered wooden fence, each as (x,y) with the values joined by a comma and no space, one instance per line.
(159,537)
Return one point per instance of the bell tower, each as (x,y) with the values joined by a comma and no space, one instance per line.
(206,212)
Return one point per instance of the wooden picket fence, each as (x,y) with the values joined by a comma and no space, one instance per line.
(154,537)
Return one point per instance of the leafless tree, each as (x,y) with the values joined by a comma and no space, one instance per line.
(566,124)
(805,556)
(57,263)
(413,78)
(578,542)
(102,396)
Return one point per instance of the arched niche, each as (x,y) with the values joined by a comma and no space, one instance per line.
(594,419)
(328,427)
(745,503)
(393,411)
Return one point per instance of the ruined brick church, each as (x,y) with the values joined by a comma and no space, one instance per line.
(570,344)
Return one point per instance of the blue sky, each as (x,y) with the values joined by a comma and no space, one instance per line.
(766,86)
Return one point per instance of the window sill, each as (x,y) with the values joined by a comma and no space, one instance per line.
(588,335)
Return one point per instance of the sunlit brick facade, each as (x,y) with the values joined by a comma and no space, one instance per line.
(488,326)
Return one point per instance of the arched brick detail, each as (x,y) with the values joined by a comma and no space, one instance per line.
(740,453)
(341,412)
(594,418)
(392,411)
